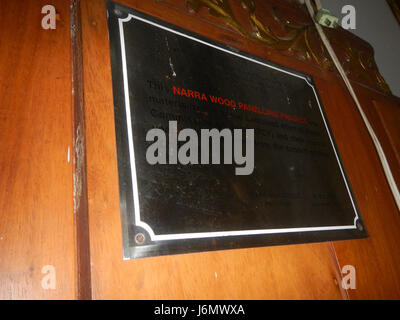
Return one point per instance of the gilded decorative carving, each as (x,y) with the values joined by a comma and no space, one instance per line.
(300,37)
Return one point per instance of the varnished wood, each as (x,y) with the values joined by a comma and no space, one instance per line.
(39,118)
(288,270)
(36,216)
(376,259)
(79,160)
(389,116)
(304,271)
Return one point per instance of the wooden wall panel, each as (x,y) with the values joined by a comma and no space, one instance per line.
(377,258)
(384,114)
(389,116)
(303,271)
(37,223)
(36,216)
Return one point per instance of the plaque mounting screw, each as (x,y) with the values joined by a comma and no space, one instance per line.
(360,226)
(139,238)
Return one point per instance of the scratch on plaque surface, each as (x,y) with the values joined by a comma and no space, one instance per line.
(172,68)
(170,60)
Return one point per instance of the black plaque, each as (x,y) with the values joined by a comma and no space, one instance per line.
(298,191)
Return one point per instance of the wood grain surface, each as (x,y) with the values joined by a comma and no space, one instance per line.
(39,117)
(36,216)
(377,258)
(302,271)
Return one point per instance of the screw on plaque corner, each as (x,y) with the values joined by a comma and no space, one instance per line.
(360,227)
(140,238)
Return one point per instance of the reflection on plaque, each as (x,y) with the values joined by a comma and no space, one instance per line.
(294,190)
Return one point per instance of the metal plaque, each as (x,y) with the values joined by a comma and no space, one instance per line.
(170,79)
